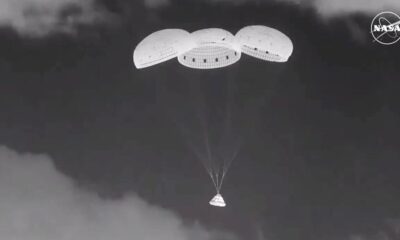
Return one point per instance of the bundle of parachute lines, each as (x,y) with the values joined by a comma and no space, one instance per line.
(212,48)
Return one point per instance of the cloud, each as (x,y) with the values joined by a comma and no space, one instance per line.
(39,203)
(156,3)
(326,8)
(339,7)
(332,8)
(37,18)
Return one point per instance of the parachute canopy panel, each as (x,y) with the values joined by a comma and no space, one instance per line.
(215,48)
(265,43)
(162,46)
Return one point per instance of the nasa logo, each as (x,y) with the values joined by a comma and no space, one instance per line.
(385,28)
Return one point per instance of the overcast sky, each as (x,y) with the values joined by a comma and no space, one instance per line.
(93,148)
(41,17)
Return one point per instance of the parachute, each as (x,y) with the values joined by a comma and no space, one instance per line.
(161,46)
(214,48)
(265,43)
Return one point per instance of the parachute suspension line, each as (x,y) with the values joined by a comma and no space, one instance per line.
(228,163)
(226,166)
(228,129)
(201,115)
(197,152)
(220,183)
(206,161)
(212,179)
(213,169)
(229,100)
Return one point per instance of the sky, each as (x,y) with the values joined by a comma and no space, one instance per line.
(93,148)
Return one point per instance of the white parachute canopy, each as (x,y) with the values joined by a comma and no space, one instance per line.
(161,46)
(215,48)
(265,43)
(212,47)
